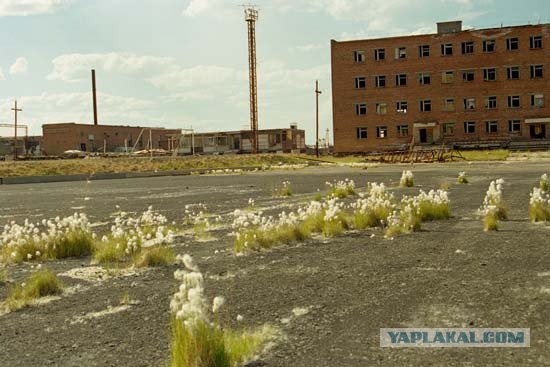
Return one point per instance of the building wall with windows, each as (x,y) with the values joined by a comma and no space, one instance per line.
(450,87)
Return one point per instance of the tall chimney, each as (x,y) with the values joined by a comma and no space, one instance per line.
(94,96)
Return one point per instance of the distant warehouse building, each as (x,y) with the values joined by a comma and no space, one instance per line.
(58,138)
(454,87)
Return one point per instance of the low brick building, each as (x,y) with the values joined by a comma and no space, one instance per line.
(58,138)
(453,87)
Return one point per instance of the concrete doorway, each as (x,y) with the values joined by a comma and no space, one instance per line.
(537,131)
(423,136)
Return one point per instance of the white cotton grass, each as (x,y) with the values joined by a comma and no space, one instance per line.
(493,209)
(407,179)
(340,189)
(373,209)
(285,189)
(539,205)
(543,183)
(462,178)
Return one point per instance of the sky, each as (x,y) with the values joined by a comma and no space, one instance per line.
(184,63)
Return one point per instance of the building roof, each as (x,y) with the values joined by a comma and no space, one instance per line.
(102,125)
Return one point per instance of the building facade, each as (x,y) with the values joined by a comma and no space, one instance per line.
(454,87)
(58,138)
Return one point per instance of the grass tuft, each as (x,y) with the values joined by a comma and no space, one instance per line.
(154,256)
(40,284)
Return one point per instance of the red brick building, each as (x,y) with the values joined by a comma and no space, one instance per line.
(454,87)
(58,138)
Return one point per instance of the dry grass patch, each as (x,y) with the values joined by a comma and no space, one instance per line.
(39,284)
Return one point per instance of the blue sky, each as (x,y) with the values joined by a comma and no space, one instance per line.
(183,63)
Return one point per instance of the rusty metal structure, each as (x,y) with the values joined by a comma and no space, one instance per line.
(251,16)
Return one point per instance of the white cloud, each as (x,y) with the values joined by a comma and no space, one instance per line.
(76,67)
(2,77)
(29,7)
(20,66)
(201,7)
(197,76)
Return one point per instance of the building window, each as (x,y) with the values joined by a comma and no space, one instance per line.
(536,71)
(489,74)
(514,102)
(449,104)
(360,109)
(423,51)
(489,46)
(491,127)
(382,132)
(425,105)
(514,126)
(512,44)
(468,75)
(424,78)
(401,80)
(360,82)
(491,102)
(513,72)
(403,130)
(359,56)
(467,47)
(447,76)
(535,42)
(448,128)
(379,54)
(361,133)
(400,52)
(381,108)
(447,49)
(537,100)
(469,127)
(469,103)
(380,81)
(402,107)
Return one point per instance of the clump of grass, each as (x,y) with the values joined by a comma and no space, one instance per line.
(462,179)
(543,183)
(154,256)
(318,196)
(406,220)
(3,276)
(285,190)
(341,189)
(493,211)
(125,299)
(445,185)
(539,206)
(373,210)
(407,179)
(491,218)
(39,284)
(433,205)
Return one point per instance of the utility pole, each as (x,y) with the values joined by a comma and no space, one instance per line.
(251,16)
(94,97)
(15,109)
(317,92)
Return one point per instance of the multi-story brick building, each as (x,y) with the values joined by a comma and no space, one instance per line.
(453,87)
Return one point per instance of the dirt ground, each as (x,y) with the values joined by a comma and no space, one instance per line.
(328,297)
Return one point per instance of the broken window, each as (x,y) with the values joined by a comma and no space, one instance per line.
(360,109)
(360,82)
(467,47)
(514,102)
(381,108)
(382,132)
(491,102)
(424,78)
(379,54)
(401,79)
(469,103)
(449,104)
(536,71)
(402,107)
(491,127)
(400,52)
(512,44)
(423,51)
(380,81)
(425,105)
(490,74)
(447,49)
(448,128)
(469,127)
(514,126)
(489,46)
(361,133)
(535,42)
(468,75)
(448,76)
(537,100)
(403,130)
(359,56)
(513,72)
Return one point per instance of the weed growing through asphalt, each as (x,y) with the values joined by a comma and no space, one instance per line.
(285,190)
(462,179)
(50,239)
(539,206)
(39,284)
(493,210)
(341,189)
(155,256)
(407,179)
(434,205)
(543,183)
(196,340)
(374,209)
(406,220)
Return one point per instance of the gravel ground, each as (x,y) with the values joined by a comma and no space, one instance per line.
(328,297)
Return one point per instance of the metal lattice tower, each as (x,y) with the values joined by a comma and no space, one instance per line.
(251,16)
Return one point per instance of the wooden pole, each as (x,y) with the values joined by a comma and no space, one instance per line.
(317,92)
(15,109)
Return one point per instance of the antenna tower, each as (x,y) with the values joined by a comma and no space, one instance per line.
(251,16)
